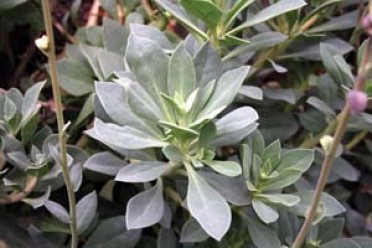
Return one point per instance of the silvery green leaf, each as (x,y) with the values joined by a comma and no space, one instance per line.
(233,190)
(227,168)
(288,95)
(296,159)
(182,75)
(166,219)
(58,211)
(266,213)
(19,159)
(115,36)
(91,54)
(277,125)
(278,68)
(225,91)
(146,208)
(335,65)
(238,6)
(149,64)
(281,199)
(39,201)
(16,96)
(320,105)
(86,209)
(272,11)
(124,137)
(181,133)
(256,142)
(271,155)
(330,229)
(10,109)
(328,206)
(166,239)
(76,175)
(234,136)
(114,100)
(104,163)
(145,171)
(258,42)
(113,233)
(355,242)
(192,232)
(236,119)
(204,204)
(140,101)
(181,16)
(173,153)
(206,11)
(29,104)
(208,65)
(109,63)
(153,33)
(341,22)
(262,236)
(251,92)
(72,70)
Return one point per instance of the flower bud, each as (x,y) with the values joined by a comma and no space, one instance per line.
(358,101)
(367,24)
(42,43)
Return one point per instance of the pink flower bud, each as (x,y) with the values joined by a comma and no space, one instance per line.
(358,101)
(367,24)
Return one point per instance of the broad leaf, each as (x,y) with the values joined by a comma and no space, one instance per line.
(205,204)
(227,168)
(146,208)
(205,10)
(182,75)
(145,171)
(270,12)
(104,163)
(86,210)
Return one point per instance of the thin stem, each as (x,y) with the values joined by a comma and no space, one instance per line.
(357,138)
(324,173)
(60,121)
(330,155)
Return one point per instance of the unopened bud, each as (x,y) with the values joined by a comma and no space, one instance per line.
(326,143)
(366,23)
(42,43)
(358,101)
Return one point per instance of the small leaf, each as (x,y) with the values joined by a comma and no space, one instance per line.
(58,211)
(274,10)
(124,137)
(146,208)
(225,91)
(262,236)
(192,232)
(29,104)
(205,10)
(144,171)
(86,210)
(227,168)
(182,75)
(266,213)
(104,163)
(205,204)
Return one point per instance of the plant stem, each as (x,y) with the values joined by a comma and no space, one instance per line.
(330,156)
(357,138)
(60,121)
(324,173)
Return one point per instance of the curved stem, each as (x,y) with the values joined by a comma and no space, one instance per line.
(60,121)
